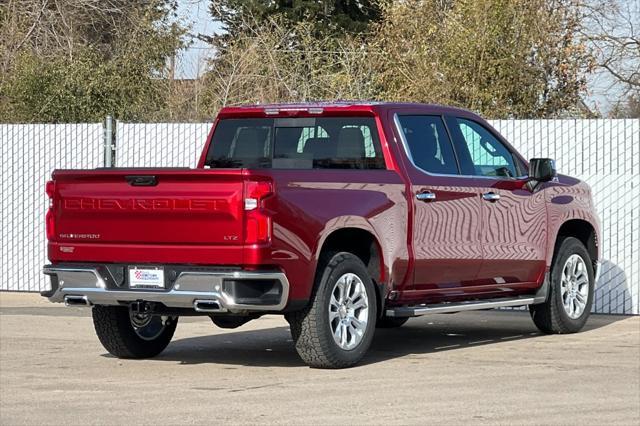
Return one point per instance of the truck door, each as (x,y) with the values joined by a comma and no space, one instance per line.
(514,219)
(446,212)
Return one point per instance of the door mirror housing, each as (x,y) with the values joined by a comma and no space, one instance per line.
(542,169)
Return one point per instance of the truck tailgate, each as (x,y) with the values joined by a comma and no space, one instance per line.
(148,206)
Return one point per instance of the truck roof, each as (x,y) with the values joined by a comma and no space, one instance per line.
(339,106)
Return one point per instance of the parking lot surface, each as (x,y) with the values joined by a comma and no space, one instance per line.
(481,367)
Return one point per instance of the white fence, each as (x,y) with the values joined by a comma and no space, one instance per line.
(605,153)
(160,144)
(28,154)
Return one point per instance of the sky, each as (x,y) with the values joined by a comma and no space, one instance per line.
(192,62)
(195,13)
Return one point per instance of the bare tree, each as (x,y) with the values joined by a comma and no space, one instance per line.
(613,30)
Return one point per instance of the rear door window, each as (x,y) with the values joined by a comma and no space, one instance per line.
(297,143)
(429,144)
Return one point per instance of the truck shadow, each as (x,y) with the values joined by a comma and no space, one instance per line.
(613,292)
(420,336)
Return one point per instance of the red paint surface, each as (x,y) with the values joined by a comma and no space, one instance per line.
(456,247)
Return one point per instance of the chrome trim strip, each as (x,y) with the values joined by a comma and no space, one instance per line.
(407,151)
(413,311)
(190,286)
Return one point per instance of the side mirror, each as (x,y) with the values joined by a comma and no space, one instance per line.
(542,169)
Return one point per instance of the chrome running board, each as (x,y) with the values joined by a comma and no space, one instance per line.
(445,308)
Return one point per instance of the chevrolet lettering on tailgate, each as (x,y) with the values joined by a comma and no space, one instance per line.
(143,204)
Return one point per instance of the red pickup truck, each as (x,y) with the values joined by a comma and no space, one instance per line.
(342,217)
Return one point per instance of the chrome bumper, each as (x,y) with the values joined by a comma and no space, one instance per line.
(199,290)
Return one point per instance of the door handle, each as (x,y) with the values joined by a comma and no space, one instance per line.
(491,196)
(144,180)
(426,196)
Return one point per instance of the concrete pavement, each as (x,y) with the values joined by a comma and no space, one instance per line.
(479,367)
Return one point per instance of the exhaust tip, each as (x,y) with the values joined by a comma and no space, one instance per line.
(76,301)
(209,305)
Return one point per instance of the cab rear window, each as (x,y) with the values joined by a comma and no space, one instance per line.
(296,143)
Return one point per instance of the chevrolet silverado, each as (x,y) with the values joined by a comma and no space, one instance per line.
(342,217)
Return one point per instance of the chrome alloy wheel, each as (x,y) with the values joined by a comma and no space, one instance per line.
(348,311)
(147,326)
(574,286)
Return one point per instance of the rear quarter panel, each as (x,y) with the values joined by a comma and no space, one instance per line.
(311,204)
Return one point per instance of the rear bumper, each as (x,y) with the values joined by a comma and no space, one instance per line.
(201,289)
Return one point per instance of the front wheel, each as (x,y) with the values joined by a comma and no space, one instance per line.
(129,335)
(337,328)
(570,291)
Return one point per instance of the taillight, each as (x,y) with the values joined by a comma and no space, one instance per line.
(257,221)
(50,224)
(50,189)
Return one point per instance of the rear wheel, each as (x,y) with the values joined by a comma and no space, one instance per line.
(132,335)
(571,288)
(337,328)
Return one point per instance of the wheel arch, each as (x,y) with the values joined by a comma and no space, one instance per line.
(582,230)
(363,244)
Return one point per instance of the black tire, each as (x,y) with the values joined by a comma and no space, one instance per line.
(391,322)
(118,336)
(311,328)
(551,317)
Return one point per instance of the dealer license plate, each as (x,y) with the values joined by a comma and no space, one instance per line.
(146,277)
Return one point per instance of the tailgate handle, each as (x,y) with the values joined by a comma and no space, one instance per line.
(142,180)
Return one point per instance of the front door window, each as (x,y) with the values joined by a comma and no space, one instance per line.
(488,155)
